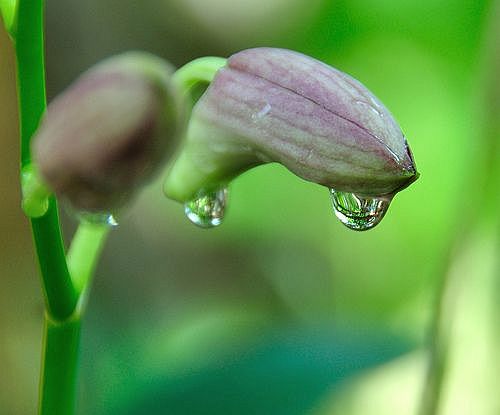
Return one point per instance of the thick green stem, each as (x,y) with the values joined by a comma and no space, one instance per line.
(63,292)
(61,297)
(59,367)
(31,72)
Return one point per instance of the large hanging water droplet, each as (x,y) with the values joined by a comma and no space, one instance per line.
(97,218)
(359,213)
(207,208)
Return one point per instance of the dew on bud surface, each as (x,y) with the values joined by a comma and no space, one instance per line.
(359,213)
(206,210)
(262,112)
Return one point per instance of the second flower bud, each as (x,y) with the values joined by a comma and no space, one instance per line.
(109,131)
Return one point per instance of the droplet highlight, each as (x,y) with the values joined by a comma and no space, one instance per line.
(97,218)
(207,209)
(359,213)
(262,112)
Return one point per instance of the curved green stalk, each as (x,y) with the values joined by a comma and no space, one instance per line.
(194,77)
(85,249)
(201,70)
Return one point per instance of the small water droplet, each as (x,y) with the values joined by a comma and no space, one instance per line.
(263,112)
(206,210)
(374,107)
(97,218)
(359,213)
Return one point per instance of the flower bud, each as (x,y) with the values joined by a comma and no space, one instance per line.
(109,131)
(274,105)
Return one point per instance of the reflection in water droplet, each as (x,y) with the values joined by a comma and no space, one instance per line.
(207,209)
(97,218)
(359,213)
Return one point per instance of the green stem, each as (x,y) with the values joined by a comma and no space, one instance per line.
(439,338)
(31,72)
(86,248)
(60,350)
(60,295)
(64,293)
(61,338)
(201,70)
(59,367)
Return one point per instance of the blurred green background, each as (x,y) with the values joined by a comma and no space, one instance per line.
(282,310)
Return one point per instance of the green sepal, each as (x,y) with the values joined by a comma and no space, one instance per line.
(36,194)
(184,180)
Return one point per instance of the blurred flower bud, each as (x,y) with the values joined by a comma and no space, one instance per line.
(275,105)
(109,131)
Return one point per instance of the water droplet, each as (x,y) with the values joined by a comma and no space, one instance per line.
(359,213)
(263,112)
(97,218)
(207,208)
(374,107)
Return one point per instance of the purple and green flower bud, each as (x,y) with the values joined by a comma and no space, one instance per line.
(275,105)
(109,132)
